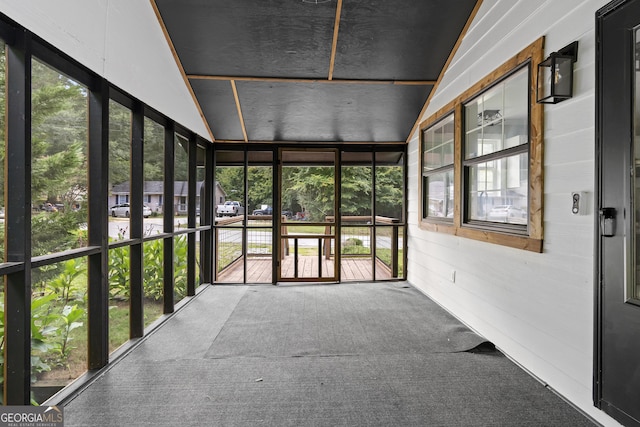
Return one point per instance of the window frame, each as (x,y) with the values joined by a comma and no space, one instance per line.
(449,167)
(494,156)
(529,237)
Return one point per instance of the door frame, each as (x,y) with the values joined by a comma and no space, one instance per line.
(336,204)
(621,216)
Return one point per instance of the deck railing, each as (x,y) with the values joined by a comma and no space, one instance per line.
(387,232)
(359,236)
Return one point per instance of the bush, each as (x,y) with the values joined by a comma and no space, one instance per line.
(153,264)
(353,241)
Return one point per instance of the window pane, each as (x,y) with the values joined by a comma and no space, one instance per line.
(153,279)
(356,193)
(389,252)
(499,190)
(439,188)
(59,162)
(389,187)
(200,175)
(498,118)
(180,263)
(260,232)
(2,148)
(119,170)
(389,209)
(119,286)
(230,177)
(181,179)
(516,110)
(356,232)
(230,213)
(438,145)
(153,177)
(59,322)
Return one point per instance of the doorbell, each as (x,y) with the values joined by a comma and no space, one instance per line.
(579,203)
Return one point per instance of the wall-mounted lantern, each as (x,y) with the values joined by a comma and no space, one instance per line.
(555,75)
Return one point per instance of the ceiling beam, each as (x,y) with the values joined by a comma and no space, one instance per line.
(296,80)
(239,141)
(240,116)
(334,44)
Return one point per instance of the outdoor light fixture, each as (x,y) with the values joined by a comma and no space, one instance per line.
(555,75)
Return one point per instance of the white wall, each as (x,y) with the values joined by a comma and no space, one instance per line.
(120,40)
(537,308)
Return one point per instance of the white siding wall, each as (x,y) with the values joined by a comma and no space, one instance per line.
(120,40)
(537,308)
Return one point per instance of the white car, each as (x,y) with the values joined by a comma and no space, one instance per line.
(508,214)
(123,210)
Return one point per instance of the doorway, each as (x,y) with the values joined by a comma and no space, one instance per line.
(617,377)
(307,223)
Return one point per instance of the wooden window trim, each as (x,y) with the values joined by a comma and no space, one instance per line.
(534,53)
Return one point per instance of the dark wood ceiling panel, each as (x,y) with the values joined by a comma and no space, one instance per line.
(327,113)
(271,70)
(219,107)
(399,39)
(258,38)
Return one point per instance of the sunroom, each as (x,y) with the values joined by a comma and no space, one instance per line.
(402,147)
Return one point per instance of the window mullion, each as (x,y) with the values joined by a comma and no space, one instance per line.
(524,148)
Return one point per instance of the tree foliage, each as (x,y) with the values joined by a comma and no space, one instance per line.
(356,190)
(58,137)
(119,144)
(389,191)
(153,151)
(311,189)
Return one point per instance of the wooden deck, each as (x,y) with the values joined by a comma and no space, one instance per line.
(259,270)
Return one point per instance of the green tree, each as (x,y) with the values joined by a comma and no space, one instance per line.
(119,144)
(181,162)
(356,190)
(153,151)
(312,187)
(259,182)
(389,191)
(231,179)
(58,162)
(58,137)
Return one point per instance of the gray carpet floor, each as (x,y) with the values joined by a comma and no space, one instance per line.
(358,354)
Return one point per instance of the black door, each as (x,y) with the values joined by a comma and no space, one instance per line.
(617,355)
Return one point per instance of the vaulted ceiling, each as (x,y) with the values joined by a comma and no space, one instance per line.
(312,70)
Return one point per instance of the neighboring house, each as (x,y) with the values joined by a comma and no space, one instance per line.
(153,195)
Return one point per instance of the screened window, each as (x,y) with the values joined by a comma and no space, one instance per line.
(59,161)
(2,151)
(437,169)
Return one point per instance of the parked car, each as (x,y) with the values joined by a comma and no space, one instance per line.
(49,207)
(264,210)
(123,210)
(507,213)
(230,208)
